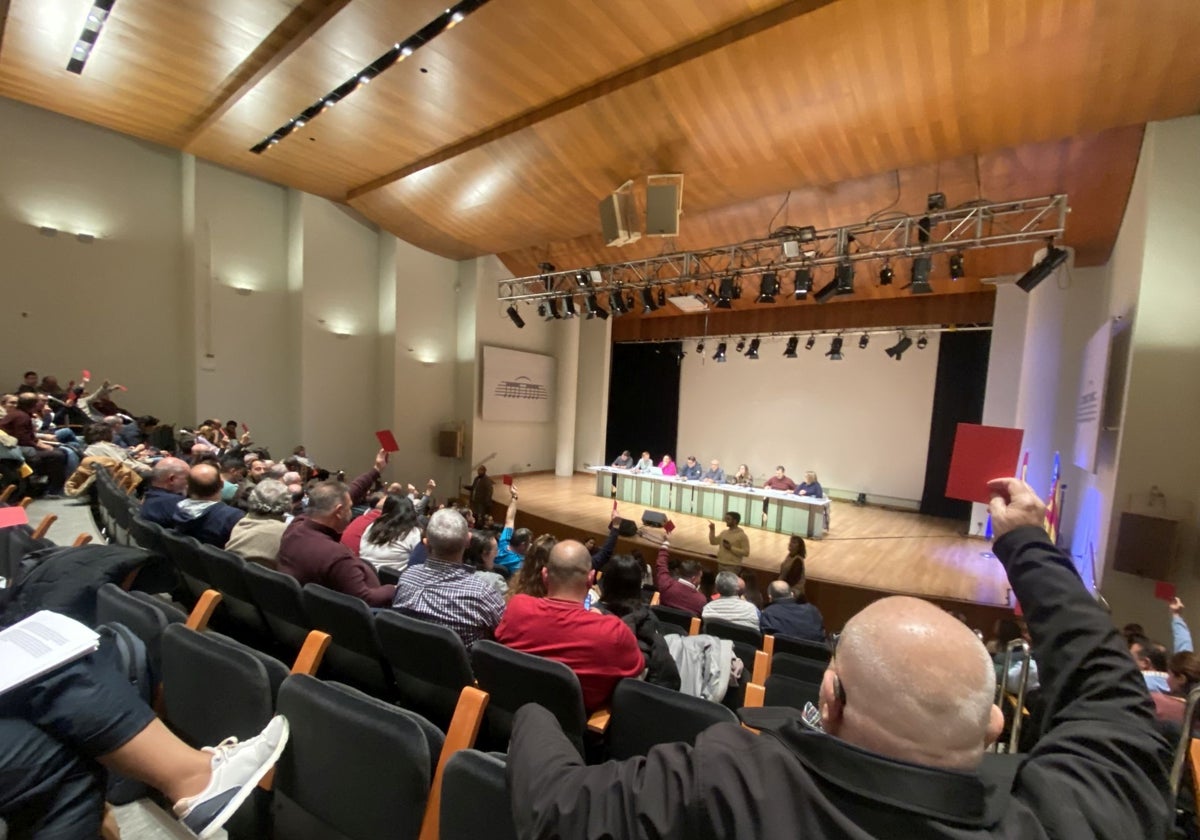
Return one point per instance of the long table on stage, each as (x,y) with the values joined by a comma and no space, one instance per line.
(786,513)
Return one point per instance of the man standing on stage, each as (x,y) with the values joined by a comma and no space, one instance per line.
(481,493)
(733,543)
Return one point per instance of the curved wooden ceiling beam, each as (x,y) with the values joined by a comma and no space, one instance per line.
(3,18)
(647,69)
(293,32)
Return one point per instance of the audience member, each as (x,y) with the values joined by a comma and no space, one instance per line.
(352,536)
(792,569)
(481,556)
(444,591)
(202,515)
(683,592)
(599,648)
(513,545)
(257,535)
(601,555)
(728,606)
(733,543)
(310,551)
(29,382)
(528,581)
(789,615)
(621,595)
(389,540)
(906,709)
(748,588)
(43,458)
(168,480)
(233,473)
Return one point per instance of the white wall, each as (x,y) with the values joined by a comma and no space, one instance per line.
(862,424)
(591,415)
(113,306)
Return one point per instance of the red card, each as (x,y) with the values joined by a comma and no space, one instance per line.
(669,526)
(981,453)
(507,479)
(13,516)
(1164,591)
(87,374)
(387,441)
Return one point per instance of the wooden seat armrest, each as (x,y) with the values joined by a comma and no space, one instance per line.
(1194,758)
(768,647)
(7,493)
(308,660)
(762,667)
(26,502)
(44,526)
(694,627)
(755,695)
(598,721)
(464,728)
(655,599)
(202,613)
(82,539)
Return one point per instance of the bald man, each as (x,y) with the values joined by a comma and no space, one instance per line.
(202,515)
(168,481)
(600,649)
(906,709)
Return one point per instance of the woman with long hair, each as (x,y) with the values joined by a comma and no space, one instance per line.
(792,569)
(621,595)
(528,579)
(742,478)
(390,539)
(481,556)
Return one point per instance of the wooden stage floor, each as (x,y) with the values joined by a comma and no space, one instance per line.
(869,547)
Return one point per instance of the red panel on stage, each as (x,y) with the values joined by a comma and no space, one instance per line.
(1164,591)
(981,453)
(11,516)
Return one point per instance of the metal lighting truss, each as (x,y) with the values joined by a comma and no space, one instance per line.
(973,225)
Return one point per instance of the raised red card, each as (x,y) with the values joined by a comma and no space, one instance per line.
(12,516)
(669,526)
(1164,591)
(980,454)
(387,441)
(507,479)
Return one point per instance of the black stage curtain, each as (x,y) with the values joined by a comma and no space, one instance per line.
(643,400)
(957,398)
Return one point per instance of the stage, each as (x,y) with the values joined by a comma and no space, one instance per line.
(868,548)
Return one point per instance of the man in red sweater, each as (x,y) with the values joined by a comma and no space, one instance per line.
(600,649)
(683,592)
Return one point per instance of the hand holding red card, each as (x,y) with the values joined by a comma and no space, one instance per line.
(507,479)
(669,526)
(387,440)
(1164,591)
(980,454)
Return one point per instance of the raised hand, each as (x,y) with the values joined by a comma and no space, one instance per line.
(1014,504)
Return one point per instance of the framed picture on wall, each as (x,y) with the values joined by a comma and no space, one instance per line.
(517,386)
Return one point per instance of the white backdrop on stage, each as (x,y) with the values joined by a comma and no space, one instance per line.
(862,423)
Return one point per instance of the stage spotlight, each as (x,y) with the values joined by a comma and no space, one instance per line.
(935,201)
(555,313)
(515,317)
(864,341)
(812,340)
(570,307)
(826,292)
(835,349)
(752,353)
(886,275)
(920,276)
(711,294)
(789,352)
(956,267)
(1053,259)
(648,304)
(741,345)
(546,268)
(922,342)
(844,275)
(897,349)
(662,296)
(616,302)
(544,311)
(737,287)
(768,287)
(725,295)
(700,347)
(594,309)
(719,356)
(582,280)
(804,283)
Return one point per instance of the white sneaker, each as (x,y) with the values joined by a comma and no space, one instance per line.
(236,769)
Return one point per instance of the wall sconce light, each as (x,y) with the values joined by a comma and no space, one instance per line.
(342,334)
(46,230)
(86,238)
(243,290)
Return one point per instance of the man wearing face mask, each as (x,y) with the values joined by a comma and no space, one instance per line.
(906,709)
(311,551)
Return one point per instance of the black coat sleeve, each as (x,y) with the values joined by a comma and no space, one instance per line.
(1099,761)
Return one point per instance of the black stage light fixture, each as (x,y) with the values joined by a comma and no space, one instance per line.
(725,295)
(515,317)
(1053,259)
(555,312)
(804,283)
(700,347)
(616,302)
(594,309)
(957,270)
(835,349)
(768,287)
(845,277)
(935,201)
(886,275)
(826,292)
(544,311)
(582,280)
(546,268)
(737,287)
(922,342)
(752,353)
(864,341)
(719,356)
(711,294)
(789,352)
(741,346)
(86,42)
(662,296)
(808,233)
(897,349)
(648,304)
(920,275)
(812,340)
(570,307)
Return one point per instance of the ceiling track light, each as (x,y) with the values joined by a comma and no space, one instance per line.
(886,275)
(569,306)
(84,45)
(515,317)
(803,283)
(835,349)
(719,356)
(897,349)
(700,347)
(789,352)
(919,284)
(648,303)
(864,341)
(922,341)
(594,309)
(957,269)
(768,288)
(741,346)
(812,340)
(616,302)
(399,51)
(752,352)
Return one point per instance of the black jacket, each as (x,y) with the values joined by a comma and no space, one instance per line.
(1098,770)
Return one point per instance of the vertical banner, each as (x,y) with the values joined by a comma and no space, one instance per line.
(1090,403)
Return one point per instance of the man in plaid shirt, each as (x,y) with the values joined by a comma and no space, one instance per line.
(444,591)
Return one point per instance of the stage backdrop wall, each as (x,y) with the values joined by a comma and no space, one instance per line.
(862,424)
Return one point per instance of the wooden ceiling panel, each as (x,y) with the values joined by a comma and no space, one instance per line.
(154,68)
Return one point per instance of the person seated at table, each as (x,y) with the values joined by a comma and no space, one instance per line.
(668,466)
(714,474)
(624,461)
(780,481)
(645,465)
(742,478)
(810,487)
(691,469)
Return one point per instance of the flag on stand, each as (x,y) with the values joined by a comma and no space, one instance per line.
(1024,465)
(1052,502)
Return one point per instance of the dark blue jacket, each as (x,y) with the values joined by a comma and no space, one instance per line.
(801,620)
(158,506)
(210,525)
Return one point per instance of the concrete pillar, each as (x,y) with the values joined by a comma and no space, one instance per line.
(568,386)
